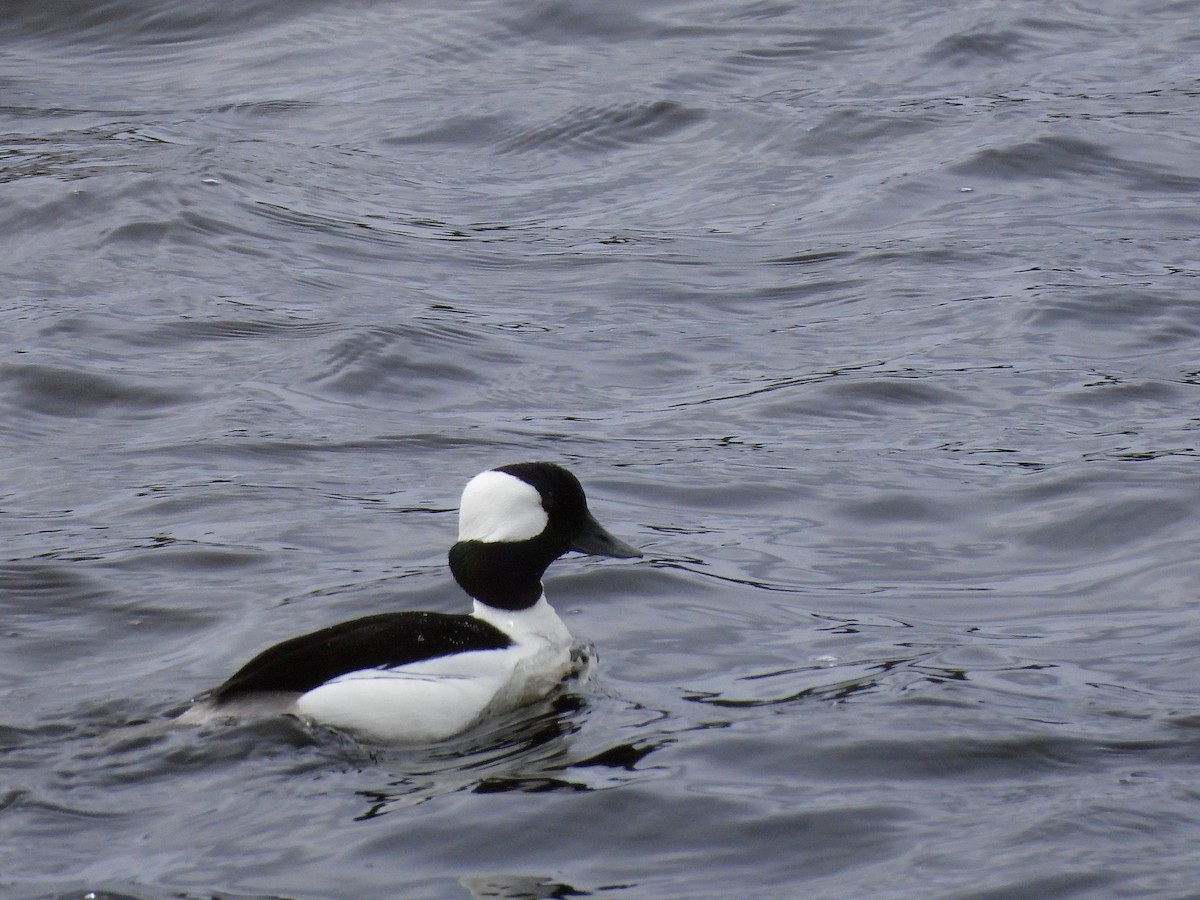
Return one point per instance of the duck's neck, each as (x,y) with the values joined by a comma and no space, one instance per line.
(539,623)
(500,575)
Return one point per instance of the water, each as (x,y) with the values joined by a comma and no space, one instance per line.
(874,325)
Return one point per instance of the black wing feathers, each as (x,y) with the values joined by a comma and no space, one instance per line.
(375,642)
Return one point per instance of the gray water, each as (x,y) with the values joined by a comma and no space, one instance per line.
(875,325)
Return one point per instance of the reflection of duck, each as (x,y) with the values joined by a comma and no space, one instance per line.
(424,676)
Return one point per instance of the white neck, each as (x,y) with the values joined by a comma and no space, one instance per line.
(539,620)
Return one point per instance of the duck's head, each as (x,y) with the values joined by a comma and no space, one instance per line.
(513,522)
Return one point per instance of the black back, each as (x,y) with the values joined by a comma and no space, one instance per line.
(374,642)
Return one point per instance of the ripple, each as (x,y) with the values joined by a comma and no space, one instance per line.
(135,24)
(456,131)
(573,21)
(969,48)
(196,330)
(1069,158)
(78,393)
(798,45)
(605,129)
(415,359)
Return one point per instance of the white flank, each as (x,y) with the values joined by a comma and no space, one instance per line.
(436,699)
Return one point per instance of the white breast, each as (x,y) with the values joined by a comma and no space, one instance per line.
(433,700)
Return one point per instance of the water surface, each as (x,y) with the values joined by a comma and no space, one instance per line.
(875,327)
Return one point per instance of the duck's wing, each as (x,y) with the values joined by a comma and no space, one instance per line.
(382,641)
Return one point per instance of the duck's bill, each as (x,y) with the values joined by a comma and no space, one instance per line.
(595,540)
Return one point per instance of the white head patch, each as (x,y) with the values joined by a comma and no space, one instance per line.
(497,506)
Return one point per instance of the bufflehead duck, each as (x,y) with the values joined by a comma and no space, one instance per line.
(420,677)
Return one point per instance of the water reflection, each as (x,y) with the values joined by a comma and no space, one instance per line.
(894,666)
(534,750)
(522,887)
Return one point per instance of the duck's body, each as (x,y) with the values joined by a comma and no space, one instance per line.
(418,677)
